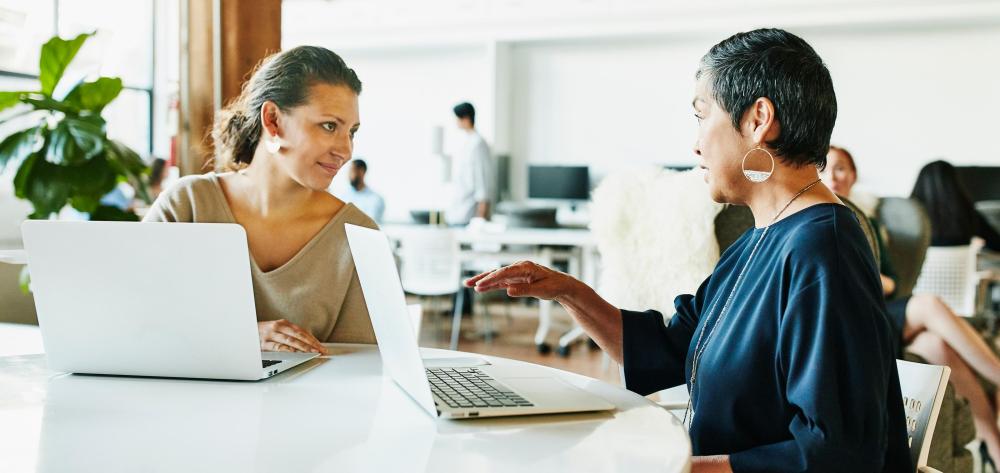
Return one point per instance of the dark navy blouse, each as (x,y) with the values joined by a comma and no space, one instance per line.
(800,375)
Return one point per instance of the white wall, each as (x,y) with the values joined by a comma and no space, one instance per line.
(602,103)
(607,83)
(909,96)
(906,96)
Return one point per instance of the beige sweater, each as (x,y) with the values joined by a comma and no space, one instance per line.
(318,289)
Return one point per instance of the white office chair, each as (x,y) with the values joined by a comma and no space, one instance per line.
(949,272)
(431,267)
(923,389)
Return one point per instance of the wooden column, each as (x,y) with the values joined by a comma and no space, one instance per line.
(221,42)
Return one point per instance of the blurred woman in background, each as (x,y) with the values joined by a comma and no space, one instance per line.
(924,324)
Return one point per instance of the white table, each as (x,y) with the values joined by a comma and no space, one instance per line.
(582,259)
(337,414)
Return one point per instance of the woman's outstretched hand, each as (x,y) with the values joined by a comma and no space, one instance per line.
(601,320)
(524,279)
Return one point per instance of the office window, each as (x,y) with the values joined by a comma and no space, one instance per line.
(24,27)
(123,47)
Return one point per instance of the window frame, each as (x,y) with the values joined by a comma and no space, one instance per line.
(150,97)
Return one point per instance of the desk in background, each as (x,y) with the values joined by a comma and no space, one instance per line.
(337,414)
(544,246)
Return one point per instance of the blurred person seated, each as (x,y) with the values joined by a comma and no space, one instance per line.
(923,323)
(359,194)
(954,218)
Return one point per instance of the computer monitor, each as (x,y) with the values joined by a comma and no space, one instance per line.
(559,182)
(982,182)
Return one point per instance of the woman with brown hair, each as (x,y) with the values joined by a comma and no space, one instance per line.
(284,139)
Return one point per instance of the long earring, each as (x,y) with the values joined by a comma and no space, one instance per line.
(757,176)
(273,145)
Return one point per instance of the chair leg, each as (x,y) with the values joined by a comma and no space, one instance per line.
(456,321)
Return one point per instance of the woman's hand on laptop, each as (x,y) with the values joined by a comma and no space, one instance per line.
(524,279)
(282,335)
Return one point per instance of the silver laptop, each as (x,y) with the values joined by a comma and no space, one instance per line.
(454,392)
(148,299)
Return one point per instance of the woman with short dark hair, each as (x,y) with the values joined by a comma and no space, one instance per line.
(786,349)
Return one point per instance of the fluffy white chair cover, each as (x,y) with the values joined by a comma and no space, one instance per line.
(655,230)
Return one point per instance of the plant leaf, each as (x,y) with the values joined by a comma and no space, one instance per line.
(94,96)
(93,179)
(128,163)
(128,159)
(45,189)
(76,140)
(40,102)
(84,203)
(23,174)
(57,53)
(10,99)
(24,280)
(17,146)
(50,187)
(111,213)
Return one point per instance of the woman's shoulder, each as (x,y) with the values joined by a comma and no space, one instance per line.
(353,215)
(821,230)
(178,202)
(193,184)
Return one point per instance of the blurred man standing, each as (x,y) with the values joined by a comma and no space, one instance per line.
(473,179)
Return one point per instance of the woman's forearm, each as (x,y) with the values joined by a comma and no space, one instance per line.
(601,320)
(711,464)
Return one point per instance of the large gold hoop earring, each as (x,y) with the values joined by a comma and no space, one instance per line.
(757,176)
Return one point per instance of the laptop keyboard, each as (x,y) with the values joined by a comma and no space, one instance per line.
(471,388)
(270,362)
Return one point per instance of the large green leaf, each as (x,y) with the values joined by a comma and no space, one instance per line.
(129,160)
(17,146)
(94,96)
(49,187)
(93,179)
(47,193)
(107,212)
(24,174)
(10,99)
(75,140)
(128,163)
(57,53)
(41,102)
(84,203)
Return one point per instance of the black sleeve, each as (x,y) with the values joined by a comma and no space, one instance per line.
(654,353)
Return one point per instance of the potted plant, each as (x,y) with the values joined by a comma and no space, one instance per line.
(65,156)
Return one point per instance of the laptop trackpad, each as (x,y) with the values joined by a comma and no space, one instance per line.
(545,390)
